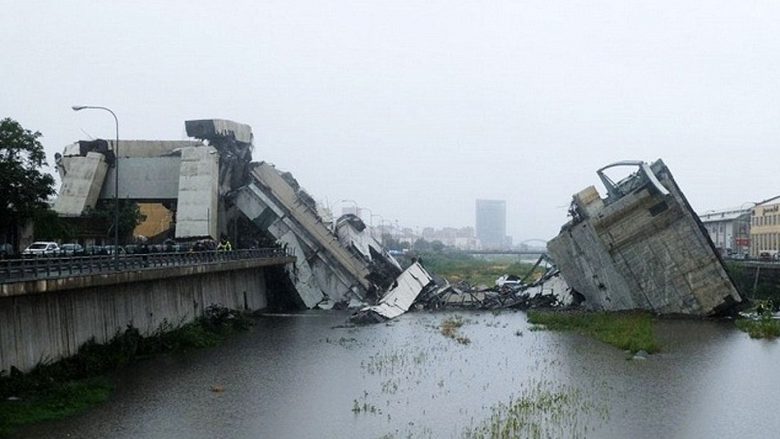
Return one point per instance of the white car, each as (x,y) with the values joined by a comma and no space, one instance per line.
(509,281)
(41,248)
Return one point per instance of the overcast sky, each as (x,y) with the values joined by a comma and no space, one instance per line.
(415,109)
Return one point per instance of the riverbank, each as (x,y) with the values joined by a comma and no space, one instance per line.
(628,331)
(70,386)
(423,384)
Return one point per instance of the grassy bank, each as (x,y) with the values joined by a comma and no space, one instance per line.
(762,323)
(760,328)
(456,267)
(629,331)
(69,386)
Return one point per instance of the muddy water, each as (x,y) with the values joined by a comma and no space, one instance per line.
(301,377)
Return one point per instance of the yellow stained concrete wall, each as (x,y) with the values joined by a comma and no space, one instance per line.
(765,229)
(158,219)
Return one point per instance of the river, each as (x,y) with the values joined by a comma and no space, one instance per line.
(306,376)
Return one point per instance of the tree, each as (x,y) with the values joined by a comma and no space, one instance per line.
(391,243)
(421,245)
(50,227)
(24,189)
(130,216)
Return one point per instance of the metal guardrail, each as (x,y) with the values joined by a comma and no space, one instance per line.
(17,270)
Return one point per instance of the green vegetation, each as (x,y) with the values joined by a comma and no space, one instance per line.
(57,401)
(767,287)
(760,328)
(365,407)
(456,267)
(450,327)
(130,216)
(764,325)
(630,331)
(69,386)
(25,189)
(539,412)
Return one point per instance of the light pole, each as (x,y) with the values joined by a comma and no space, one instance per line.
(116,172)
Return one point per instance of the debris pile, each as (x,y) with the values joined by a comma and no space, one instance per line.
(549,290)
(399,299)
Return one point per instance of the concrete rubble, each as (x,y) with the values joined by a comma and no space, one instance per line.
(356,237)
(398,299)
(548,291)
(641,247)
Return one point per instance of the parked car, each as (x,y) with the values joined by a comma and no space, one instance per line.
(111,249)
(171,246)
(71,249)
(203,245)
(94,250)
(41,248)
(769,255)
(136,249)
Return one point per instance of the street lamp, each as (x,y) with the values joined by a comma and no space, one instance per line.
(116,172)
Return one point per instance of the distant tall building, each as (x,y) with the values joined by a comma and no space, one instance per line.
(491,224)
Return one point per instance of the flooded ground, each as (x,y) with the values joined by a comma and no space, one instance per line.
(302,376)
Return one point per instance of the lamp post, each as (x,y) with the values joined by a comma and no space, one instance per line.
(116,172)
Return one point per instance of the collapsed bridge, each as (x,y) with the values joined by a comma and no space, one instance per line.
(209,188)
(641,247)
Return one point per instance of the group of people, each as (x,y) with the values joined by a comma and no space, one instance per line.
(210,245)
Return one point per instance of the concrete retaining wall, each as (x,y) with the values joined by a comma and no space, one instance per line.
(52,325)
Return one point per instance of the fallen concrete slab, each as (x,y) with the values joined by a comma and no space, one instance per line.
(398,300)
(641,247)
(325,268)
(355,236)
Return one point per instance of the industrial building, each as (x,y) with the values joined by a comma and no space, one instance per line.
(729,230)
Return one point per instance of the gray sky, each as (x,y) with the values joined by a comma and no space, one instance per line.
(415,109)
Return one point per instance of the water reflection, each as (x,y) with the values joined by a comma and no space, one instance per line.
(303,376)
